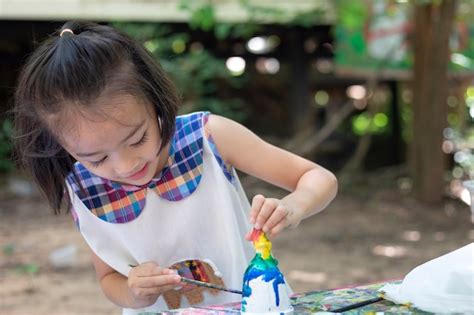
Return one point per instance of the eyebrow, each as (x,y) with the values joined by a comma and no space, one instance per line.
(131,134)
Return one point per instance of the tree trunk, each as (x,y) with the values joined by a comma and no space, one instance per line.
(300,98)
(433,25)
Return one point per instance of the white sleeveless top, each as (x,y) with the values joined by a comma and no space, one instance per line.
(193,216)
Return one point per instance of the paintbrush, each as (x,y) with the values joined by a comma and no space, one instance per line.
(209,285)
(356,305)
(204,284)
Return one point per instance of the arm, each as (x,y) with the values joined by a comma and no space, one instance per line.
(311,186)
(145,283)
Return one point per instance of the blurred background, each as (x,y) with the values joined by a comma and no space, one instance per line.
(379,92)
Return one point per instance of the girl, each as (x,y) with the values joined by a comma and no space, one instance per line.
(96,127)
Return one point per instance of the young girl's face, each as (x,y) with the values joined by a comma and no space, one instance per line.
(122,145)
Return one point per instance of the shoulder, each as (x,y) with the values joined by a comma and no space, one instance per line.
(231,137)
(192,121)
(205,121)
(210,123)
(189,132)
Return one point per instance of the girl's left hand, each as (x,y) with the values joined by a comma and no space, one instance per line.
(271,215)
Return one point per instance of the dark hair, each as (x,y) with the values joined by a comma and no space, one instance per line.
(72,71)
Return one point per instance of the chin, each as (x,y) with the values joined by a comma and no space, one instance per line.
(145,180)
(140,182)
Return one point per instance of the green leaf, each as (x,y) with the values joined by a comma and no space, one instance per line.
(358,43)
(352,14)
(203,18)
(223,30)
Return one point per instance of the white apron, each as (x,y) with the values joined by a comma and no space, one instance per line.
(208,225)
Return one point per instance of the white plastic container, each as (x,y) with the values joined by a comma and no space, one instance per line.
(264,287)
(263,299)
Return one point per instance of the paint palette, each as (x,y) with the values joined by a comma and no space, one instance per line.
(264,288)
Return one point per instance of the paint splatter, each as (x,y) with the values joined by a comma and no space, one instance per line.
(262,265)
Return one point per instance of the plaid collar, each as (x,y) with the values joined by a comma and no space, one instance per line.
(117,203)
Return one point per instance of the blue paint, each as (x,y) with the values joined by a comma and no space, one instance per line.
(270,272)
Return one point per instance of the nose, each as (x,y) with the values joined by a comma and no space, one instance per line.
(125,165)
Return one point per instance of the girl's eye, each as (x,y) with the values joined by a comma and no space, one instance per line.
(141,141)
(98,163)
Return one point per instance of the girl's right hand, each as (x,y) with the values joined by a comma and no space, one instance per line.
(147,281)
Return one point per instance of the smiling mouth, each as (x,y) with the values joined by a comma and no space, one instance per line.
(140,174)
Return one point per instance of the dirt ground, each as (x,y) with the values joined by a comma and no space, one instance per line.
(373,231)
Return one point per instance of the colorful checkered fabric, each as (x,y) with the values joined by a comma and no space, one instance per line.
(104,201)
(226,168)
(179,178)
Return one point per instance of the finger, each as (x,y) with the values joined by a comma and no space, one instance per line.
(247,236)
(146,292)
(278,228)
(267,209)
(280,213)
(257,203)
(146,271)
(148,264)
(150,270)
(158,281)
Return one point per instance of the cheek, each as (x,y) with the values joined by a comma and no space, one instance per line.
(98,170)
(148,150)
(104,172)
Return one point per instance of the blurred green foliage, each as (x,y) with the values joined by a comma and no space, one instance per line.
(364,123)
(30,269)
(200,77)
(462,124)
(6,146)
(352,14)
(8,249)
(202,15)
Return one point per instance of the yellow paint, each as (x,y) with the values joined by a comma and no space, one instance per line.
(263,246)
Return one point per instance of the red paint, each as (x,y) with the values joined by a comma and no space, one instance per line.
(255,235)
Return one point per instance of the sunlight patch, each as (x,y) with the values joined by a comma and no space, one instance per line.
(391,251)
(305,276)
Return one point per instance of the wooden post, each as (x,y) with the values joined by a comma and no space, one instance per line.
(433,25)
(300,98)
(396,132)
